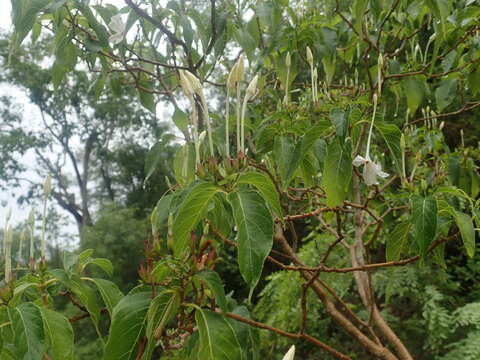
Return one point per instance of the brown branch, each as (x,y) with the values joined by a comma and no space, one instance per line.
(469,106)
(174,40)
(213,39)
(290,335)
(392,9)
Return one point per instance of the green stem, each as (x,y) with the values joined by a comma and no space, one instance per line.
(242,126)
(371,128)
(313,83)
(44,224)
(206,115)
(227,118)
(239,101)
(195,130)
(286,85)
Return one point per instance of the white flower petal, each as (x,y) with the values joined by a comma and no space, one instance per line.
(116,38)
(370,173)
(359,160)
(290,353)
(378,169)
(382,174)
(117,24)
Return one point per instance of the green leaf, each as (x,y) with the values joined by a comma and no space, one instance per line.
(127,327)
(414,90)
(105,264)
(265,186)
(145,93)
(99,29)
(153,158)
(162,210)
(359,8)
(184,164)
(218,340)
(452,190)
(312,136)
(84,293)
(60,334)
(247,335)
(445,93)
(65,55)
(161,310)
(24,14)
(190,212)
(255,233)
(288,156)
(465,224)
(27,324)
(339,118)
(213,281)
(424,219)
(146,97)
(337,171)
(69,260)
(474,81)
(109,292)
(180,119)
(396,241)
(391,135)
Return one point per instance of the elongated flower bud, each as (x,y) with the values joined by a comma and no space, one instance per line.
(379,76)
(8,215)
(23,236)
(252,88)
(288,60)
(402,142)
(309,56)
(290,353)
(240,70)
(231,81)
(194,82)
(47,186)
(185,84)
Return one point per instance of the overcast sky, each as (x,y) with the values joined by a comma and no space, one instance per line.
(5,15)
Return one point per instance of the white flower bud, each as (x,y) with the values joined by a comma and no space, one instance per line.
(240,69)
(290,353)
(185,84)
(442,124)
(309,56)
(288,60)
(194,82)
(252,87)
(47,185)
(201,137)
(8,216)
(31,217)
(231,81)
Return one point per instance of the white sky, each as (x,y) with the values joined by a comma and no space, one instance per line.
(5,15)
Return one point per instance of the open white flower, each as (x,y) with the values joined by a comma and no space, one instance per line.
(290,353)
(370,170)
(119,29)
